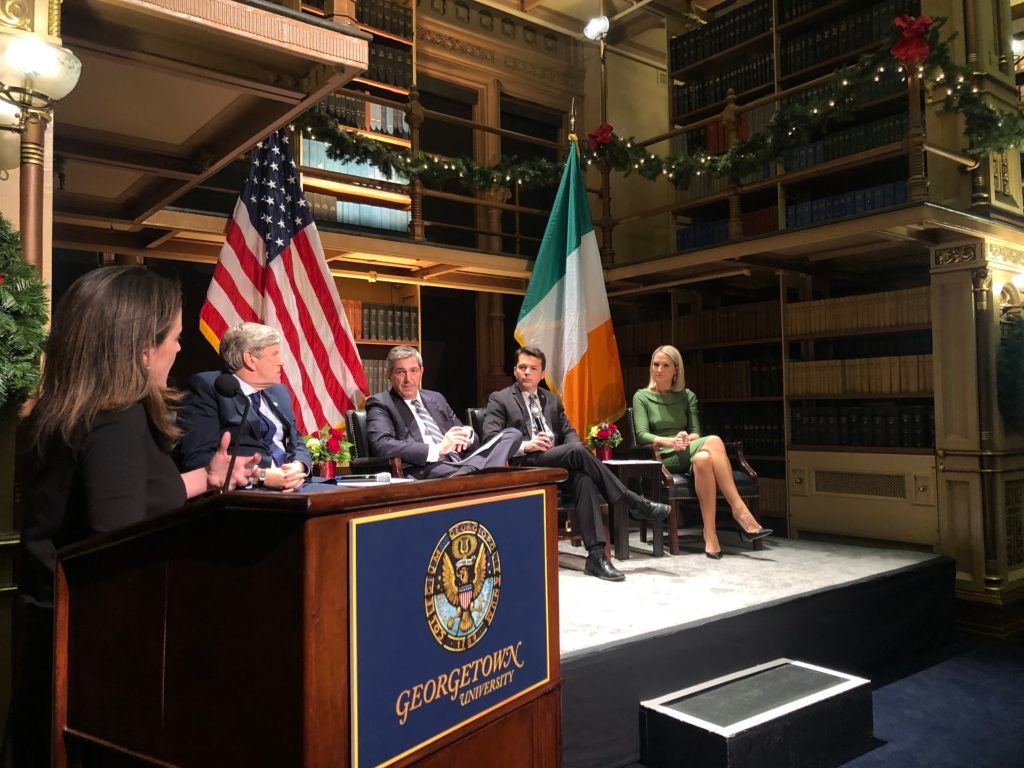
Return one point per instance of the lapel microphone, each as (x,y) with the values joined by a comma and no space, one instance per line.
(228,386)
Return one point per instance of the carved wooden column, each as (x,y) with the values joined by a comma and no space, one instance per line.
(980,464)
(338,11)
(917,181)
(731,120)
(491,217)
(414,117)
(492,369)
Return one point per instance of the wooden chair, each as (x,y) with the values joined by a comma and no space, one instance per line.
(681,493)
(566,504)
(363,458)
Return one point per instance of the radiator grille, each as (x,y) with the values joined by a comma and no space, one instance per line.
(1014,523)
(861,484)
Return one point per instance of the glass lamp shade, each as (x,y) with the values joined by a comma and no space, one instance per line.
(596,28)
(30,63)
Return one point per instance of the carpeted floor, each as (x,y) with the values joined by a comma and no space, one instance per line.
(965,711)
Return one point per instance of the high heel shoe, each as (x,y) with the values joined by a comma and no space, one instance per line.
(760,533)
(713,555)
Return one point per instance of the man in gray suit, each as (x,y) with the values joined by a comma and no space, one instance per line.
(419,427)
(549,440)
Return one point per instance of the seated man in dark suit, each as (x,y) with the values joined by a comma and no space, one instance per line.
(549,440)
(419,426)
(252,353)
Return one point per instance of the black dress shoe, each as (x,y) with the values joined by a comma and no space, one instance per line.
(644,509)
(713,555)
(598,565)
(760,533)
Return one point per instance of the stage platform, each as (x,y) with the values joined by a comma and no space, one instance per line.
(677,621)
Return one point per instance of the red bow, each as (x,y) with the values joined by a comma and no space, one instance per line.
(600,135)
(911,47)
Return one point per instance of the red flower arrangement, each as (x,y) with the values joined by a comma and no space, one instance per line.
(911,47)
(600,136)
(328,444)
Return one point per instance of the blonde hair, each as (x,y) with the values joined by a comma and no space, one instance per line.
(673,354)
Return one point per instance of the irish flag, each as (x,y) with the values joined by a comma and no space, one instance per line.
(565,311)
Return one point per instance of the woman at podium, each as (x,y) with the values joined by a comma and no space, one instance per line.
(95,455)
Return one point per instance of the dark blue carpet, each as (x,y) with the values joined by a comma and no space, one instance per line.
(962,707)
(965,711)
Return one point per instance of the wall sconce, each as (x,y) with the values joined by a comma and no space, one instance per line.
(596,28)
(34,75)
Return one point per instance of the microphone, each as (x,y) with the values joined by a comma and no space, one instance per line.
(380,477)
(228,386)
(538,416)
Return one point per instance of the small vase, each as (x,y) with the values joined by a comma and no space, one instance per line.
(325,469)
(604,452)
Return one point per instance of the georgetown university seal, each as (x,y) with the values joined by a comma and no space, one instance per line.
(462,586)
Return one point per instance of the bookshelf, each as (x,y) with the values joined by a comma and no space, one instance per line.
(771,55)
(360,196)
(381,316)
(861,416)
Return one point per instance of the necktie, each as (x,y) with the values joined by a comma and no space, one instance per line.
(267,431)
(433,431)
(537,414)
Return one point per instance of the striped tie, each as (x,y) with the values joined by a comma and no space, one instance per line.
(433,431)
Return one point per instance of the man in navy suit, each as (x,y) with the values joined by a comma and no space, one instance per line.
(549,440)
(252,353)
(419,427)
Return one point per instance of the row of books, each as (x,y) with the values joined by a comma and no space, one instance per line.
(365,115)
(390,65)
(714,138)
(330,208)
(371,321)
(376,378)
(820,209)
(838,144)
(738,322)
(891,425)
(735,380)
(760,221)
(889,309)
(848,33)
(314,155)
(720,34)
(760,429)
(882,86)
(387,16)
(642,338)
(771,500)
(701,234)
(895,344)
(902,374)
(740,78)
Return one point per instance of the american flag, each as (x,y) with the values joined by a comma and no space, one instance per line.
(272,271)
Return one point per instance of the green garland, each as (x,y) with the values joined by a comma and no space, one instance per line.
(793,125)
(22,319)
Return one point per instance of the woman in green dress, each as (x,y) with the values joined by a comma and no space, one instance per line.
(665,415)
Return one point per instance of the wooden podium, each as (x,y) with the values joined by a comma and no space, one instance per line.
(225,633)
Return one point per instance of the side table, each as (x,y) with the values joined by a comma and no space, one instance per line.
(637,471)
